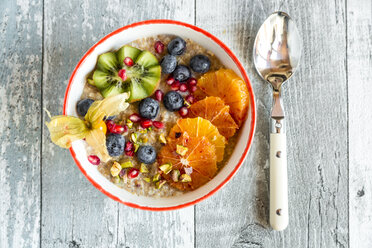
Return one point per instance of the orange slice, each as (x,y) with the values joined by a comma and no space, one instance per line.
(225,84)
(200,161)
(199,127)
(214,109)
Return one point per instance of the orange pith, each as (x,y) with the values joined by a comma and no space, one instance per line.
(225,84)
(200,156)
(199,127)
(214,109)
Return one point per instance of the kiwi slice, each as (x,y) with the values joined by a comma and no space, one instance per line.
(140,80)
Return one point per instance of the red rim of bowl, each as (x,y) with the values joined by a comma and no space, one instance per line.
(252,103)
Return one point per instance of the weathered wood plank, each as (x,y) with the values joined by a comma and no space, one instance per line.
(20,87)
(74,212)
(316,106)
(359,69)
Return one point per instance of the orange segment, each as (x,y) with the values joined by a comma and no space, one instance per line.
(225,84)
(200,157)
(199,127)
(214,109)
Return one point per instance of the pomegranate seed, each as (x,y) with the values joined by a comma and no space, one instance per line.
(190,99)
(94,160)
(183,111)
(170,80)
(159,47)
(192,81)
(110,125)
(129,153)
(175,85)
(133,173)
(146,123)
(159,95)
(122,74)
(183,87)
(158,124)
(125,129)
(128,61)
(128,146)
(192,88)
(117,129)
(135,118)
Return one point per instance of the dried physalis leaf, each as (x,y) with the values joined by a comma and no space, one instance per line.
(109,106)
(97,140)
(66,129)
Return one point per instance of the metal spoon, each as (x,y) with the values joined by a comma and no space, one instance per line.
(276,54)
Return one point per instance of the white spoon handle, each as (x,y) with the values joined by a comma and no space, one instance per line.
(278,182)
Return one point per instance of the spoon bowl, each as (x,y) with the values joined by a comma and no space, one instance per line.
(277,49)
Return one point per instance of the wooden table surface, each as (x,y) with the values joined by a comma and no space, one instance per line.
(46,202)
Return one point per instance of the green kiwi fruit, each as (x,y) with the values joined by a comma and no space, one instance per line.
(141,79)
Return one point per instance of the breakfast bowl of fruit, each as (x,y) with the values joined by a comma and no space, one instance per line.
(158,115)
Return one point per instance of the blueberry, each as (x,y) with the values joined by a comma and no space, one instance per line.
(200,63)
(169,63)
(148,108)
(181,73)
(146,154)
(176,46)
(115,144)
(83,105)
(173,101)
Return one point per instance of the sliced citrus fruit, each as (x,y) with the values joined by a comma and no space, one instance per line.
(214,109)
(198,162)
(225,84)
(199,127)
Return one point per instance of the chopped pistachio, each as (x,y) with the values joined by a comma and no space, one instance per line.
(117,179)
(162,138)
(144,140)
(181,150)
(149,129)
(147,179)
(156,177)
(143,131)
(136,146)
(134,136)
(185,178)
(115,169)
(175,175)
(129,123)
(91,82)
(127,164)
(143,168)
(166,168)
(160,184)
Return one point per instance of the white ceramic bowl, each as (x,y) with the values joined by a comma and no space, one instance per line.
(114,41)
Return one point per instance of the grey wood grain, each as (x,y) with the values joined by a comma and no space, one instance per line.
(74,213)
(359,69)
(20,134)
(316,106)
